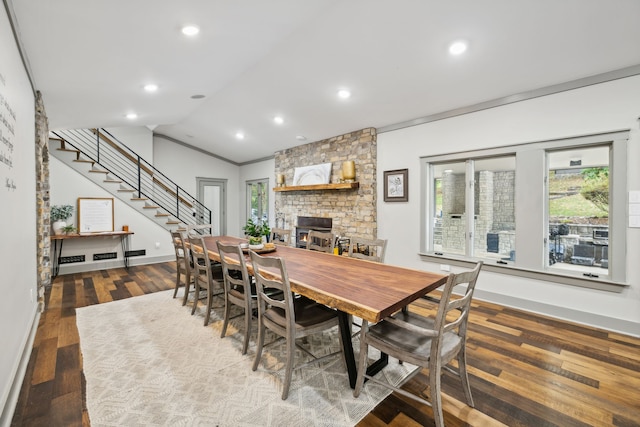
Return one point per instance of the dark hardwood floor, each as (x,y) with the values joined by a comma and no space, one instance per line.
(526,370)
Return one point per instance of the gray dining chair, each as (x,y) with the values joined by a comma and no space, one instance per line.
(425,342)
(237,288)
(286,316)
(321,241)
(183,265)
(203,276)
(367,249)
(281,236)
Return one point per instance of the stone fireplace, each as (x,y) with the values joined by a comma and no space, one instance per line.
(352,212)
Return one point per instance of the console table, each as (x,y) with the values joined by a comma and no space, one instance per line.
(59,239)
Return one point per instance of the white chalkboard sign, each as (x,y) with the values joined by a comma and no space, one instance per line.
(95,215)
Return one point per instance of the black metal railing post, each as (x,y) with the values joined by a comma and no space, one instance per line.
(98,144)
(139,180)
(177,202)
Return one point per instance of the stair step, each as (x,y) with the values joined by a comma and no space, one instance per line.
(68,150)
(172,222)
(83,160)
(160,214)
(98,171)
(138,199)
(150,207)
(126,190)
(117,181)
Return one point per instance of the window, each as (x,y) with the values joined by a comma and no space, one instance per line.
(478,223)
(258,200)
(578,209)
(548,207)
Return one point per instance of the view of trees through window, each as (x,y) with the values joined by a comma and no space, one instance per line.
(579,209)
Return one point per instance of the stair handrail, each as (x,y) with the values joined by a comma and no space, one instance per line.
(145,173)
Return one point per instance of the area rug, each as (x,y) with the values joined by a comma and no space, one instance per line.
(147,361)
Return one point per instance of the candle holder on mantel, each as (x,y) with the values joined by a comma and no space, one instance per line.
(280,180)
(349,171)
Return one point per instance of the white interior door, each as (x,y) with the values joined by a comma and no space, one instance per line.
(212,194)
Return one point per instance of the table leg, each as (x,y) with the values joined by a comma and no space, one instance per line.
(124,242)
(350,360)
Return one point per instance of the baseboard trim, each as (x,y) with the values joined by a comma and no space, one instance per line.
(10,403)
(116,263)
(586,318)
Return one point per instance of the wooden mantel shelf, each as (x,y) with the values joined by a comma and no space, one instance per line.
(320,187)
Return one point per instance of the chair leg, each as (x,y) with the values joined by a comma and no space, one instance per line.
(291,349)
(175,290)
(195,298)
(209,305)
(435,375)
(260,344)
(187,286)
(362,364)
(462,371)
(227,311)
(247,328)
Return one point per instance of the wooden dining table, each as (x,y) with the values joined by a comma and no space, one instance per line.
(369,290)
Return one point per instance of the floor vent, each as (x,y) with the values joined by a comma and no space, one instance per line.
(139,252)
(106,255)
(71,259)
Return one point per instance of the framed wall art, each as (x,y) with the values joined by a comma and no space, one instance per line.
(396,185)
(95,215)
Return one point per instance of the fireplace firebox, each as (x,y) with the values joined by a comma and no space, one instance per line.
(307,223)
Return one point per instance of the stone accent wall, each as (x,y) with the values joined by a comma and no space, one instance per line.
(494,210)
(43,226)
(353,211)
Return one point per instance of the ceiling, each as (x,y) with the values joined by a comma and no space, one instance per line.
(256,59)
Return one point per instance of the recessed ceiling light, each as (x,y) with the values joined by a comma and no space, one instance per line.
(151,87)
(301,138)
(239,135)
(344,93)
(132,116)
(458,47)
(278,120)
(197,96)
(190,30)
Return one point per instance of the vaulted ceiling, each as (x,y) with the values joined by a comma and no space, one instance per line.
(254,60)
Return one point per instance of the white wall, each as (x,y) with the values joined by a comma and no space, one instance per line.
(183,165)
(599,108)
(139,139)
(18,256)
(66,186)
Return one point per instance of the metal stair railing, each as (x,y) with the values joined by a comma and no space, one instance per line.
(101,147)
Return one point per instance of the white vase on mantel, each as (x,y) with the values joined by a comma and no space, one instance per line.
(58,226)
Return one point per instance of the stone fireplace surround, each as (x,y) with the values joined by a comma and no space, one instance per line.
(353,212)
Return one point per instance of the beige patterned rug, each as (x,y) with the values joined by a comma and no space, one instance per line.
(147,361)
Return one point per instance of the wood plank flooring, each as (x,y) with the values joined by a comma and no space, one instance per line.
(525,370)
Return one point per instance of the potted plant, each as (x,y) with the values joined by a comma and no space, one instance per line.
(59,215)
(255,231)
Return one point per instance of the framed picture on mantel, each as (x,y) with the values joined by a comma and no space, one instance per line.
(396,185)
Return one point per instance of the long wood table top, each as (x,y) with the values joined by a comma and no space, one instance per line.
(369,290)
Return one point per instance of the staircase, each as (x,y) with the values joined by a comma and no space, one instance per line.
(98,155)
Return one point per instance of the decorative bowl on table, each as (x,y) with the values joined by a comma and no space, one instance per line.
(244,245)
(256,247)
